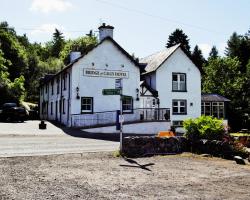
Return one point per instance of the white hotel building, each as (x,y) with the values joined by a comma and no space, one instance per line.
(165,85)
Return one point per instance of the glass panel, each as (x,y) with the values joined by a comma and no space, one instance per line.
(182,86)
(182,103)
(215,110)
(175,109)
(175,85)
(175,103)
(182,77)
(175,77)
(182,109)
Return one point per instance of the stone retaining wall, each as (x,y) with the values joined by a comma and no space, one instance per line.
(151,145)
(139,146)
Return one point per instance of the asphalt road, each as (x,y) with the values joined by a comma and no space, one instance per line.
(25,139)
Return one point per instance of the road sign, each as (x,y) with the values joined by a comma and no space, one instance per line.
(118,83)
(111,91)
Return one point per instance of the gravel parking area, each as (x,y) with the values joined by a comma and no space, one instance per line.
(101,176)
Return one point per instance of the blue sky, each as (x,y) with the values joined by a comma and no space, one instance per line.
(141,26)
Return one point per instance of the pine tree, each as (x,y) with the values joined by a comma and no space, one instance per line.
(179,37)
(213,53)
(198,58)
(58,43)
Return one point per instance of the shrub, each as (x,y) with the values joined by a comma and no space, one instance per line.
(204,127)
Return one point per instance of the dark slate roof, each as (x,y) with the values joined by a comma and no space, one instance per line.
(76,60)
(213,98)
(155,60)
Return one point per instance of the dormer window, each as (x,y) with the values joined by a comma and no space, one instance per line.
(179,82)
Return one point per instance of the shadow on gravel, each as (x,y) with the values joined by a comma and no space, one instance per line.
(136,164)
(77,132)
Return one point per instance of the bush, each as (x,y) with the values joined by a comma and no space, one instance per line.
(204,127)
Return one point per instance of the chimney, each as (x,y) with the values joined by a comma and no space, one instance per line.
(74,55)
(105,31)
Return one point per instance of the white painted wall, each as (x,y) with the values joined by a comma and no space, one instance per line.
(62,117)
(140,128)
(105,54)
(179,62)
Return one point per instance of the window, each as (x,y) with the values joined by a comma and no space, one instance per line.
(46,88)
(179,107)
(127,104)
(60,106)
(215,109)
(52,87)
(178,123)
(64,81)
(179,82)
(87,105)
(51,108)
(58,86)
(63,106)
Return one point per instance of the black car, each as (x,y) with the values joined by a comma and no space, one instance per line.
(11,112)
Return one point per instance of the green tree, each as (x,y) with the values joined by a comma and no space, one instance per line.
(13,51)
(179,37)
(198,58)
(57,43)
(213,53)
(10,90)
(223,76)
(82,44)
(239,46)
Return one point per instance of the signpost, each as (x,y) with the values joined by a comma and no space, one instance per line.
(117,91)
(118,85)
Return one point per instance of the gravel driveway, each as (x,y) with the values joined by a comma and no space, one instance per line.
(23,139)
(101,176)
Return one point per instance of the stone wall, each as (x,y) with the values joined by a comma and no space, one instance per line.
(151,145)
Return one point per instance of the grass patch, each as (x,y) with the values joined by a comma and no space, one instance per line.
(117,154)
(239,134)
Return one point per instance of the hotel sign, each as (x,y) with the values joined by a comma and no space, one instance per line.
(105,73)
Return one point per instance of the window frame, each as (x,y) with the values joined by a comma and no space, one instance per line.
(131,104)
(63,106)
(212,111)
(179,106)
(91,105)
(179,74)
(52,87)
(64,81)
(58,86)
(51,108)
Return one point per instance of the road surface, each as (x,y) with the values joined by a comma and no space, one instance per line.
(25,139)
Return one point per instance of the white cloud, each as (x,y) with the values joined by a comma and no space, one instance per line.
(47,6)
(221,48)
(205,48)
(44,32)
